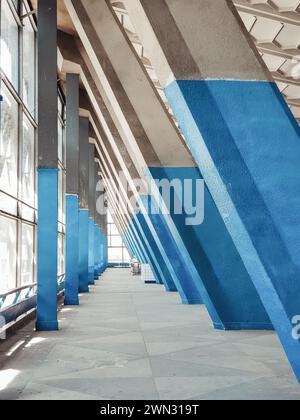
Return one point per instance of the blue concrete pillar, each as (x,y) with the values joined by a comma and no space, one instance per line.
(227,288)
(92,213)
(139,247)
(102,252)
(72,190)
(84,223)
(132,247)
(72,250)
(162,269)
(91,251)
(97,253)
(244,139)
(47,243)
(149,143)
(83,251)
(98,221)
(128,244)
(149,258)
(47,229)
(105,249)
(186,278)
(102,265)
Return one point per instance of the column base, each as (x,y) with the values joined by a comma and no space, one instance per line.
(71,302)
(192,301)
(47,326)
(239,326)
(92,281)
(84,290)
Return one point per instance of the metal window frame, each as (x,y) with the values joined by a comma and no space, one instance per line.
(23,112)
(123,247)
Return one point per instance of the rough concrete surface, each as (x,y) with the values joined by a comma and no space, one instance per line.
(129,341)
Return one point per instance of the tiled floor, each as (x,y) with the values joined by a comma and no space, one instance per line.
(128,340)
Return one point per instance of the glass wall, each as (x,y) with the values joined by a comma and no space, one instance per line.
(17,145)
(18,149)
(117,251)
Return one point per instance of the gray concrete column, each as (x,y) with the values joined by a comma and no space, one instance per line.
(72,189)
(47,231)
(72,134)
(92,206)
(83,205)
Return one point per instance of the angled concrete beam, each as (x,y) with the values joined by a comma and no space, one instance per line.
(140,242)
(186,274)
(113,146)
(204,268)
(134,232)
(242,135)
(109,154)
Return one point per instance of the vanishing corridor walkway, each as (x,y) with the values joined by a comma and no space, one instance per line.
(128,340)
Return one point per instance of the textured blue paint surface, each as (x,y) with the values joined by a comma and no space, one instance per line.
(47,247)
(161,269)
(104,250)
(222,272)
(137,242)
(134,249)
(97,252)
(72,250)
(100,250)
(83,251)
(186,281)
(128,244)
(246,142)
(91,251)
(153,258)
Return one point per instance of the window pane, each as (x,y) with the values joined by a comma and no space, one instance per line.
(8,143)
(28,165)
(9,44)
(109,218)
(8,254)
(8,204)
(117,251)
(114,230)
(115,255)
(61,196)
(27,213)
(64,151)
(60,105)
(116,241)
(126,256)
(29,65)
(16,4)
(27,255)
(61,255)
(60,141)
